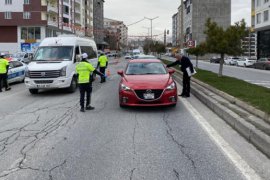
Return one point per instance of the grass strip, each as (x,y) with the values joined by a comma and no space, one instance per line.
(256,96)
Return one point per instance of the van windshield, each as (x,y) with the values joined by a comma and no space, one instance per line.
(54,53)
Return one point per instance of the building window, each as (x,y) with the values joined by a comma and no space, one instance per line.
(26,15)
(65,20)
(8,1)
(258,3)
(265,16)
(30,33)
(8,15)
(259,18)
(26,1)
(66,10)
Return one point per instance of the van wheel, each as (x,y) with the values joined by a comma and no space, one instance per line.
(73,85)
(33,91)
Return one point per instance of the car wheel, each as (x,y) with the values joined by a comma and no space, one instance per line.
(33,91)
(264,68)
(245,65)
(173,105)
(73,85)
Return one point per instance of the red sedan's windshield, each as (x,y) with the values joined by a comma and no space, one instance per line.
(142,68)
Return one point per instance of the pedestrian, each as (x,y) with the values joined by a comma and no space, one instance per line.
(102,64)
(84,70)
(4,66)
(185,64)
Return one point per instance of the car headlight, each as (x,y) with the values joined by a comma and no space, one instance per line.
(172,86)
(63,71)
(125,88)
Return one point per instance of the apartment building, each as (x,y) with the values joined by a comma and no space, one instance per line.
(175,30)
(261,25)
(196,12)
(117,29)
(249,45)
(25,23)
(98,23)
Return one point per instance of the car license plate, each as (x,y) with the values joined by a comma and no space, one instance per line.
(43,86)
(149,96)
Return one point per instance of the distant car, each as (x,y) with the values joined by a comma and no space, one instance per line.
(24,57)
(8,57)
(16,72)
(262,63)
(128,56)
(143,56)
(231,60)
(147,83)
(245,62)
(215,60)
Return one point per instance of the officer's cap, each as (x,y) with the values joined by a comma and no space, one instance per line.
(84,56)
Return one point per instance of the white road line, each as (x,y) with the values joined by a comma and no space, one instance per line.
(236,159)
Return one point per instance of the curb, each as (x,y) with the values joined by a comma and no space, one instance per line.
(255,136)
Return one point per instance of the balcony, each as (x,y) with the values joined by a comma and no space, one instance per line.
(52,23)
(53,9)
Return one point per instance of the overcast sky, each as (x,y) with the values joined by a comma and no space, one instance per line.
(131,11)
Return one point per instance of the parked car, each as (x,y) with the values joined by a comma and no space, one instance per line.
(128,56)
(16,72)
(231,60)
(147,83)
(262,63)
(24,57)
(215,60)
(8,57)
(245,62)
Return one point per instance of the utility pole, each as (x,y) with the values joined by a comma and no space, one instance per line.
(148,30)
(165,37)
(151,19)
(182,24)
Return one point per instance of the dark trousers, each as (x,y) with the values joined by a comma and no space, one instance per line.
(85,88)
(186,84)
(3,81)
(102,70)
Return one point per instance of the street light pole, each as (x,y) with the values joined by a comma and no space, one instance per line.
(151,19)
(148,28)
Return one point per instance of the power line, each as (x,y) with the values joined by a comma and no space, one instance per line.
(136,22)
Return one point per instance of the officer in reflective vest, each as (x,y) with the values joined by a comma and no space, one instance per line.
(84,70)
(4,66)
(103,64)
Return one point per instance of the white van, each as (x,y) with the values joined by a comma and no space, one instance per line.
(53,65)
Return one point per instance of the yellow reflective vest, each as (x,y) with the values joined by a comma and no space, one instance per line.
(84,69)
(102,61)
(3,66)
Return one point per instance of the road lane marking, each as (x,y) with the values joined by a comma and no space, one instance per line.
(236,159)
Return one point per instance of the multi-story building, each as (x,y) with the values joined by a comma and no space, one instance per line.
(118,30)
(24,23)
(249,45)
(195,14)
(261,24)
(175,30)
(98,14)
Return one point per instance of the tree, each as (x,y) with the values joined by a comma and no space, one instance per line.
(200,50)
(224,41)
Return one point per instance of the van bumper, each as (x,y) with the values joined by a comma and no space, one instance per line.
(48,83)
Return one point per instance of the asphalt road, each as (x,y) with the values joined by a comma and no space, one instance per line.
(254,76)
(44,136)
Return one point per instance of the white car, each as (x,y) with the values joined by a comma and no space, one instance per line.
(245,62)
(16,72)
(128,56)
(22,56)
(231,60)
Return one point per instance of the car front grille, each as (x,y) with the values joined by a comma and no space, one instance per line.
(157,93)
(44,81)
(44,74)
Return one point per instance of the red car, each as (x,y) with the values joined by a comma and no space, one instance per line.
(147,83)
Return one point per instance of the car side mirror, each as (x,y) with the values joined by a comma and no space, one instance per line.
(121,73)
(171,71)
(78,58)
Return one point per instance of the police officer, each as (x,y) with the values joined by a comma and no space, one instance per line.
(84,70)
(103,64)
(4,65)
(185,63)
